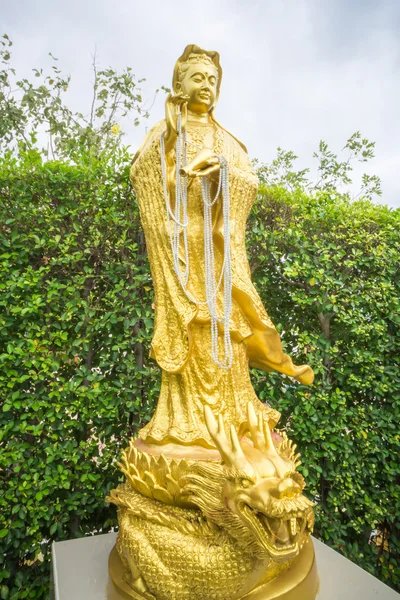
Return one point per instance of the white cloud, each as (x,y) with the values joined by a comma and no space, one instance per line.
(295,71)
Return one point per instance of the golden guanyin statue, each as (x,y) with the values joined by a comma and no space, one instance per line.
(213,506)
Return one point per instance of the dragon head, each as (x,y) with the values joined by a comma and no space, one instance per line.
(258,498)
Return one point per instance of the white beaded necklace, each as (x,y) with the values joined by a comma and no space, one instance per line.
(180,226)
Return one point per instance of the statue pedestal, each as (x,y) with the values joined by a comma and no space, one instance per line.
(80,571)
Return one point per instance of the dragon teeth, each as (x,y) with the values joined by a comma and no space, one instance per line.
(293,526)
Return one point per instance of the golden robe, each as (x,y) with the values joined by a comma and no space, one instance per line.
(182,342)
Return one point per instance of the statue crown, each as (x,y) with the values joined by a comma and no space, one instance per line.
(194,58)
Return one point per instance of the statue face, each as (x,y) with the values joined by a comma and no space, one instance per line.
(200,84)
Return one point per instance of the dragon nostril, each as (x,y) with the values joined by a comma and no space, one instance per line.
(288,488)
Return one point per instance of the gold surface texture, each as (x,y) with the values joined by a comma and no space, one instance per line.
(212,529)
(213,506)
(299,582)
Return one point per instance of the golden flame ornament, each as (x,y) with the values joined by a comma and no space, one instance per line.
(212,506)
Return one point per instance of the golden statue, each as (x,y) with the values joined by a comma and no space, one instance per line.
(204,514)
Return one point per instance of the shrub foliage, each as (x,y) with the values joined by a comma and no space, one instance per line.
(327,268)
(75,309)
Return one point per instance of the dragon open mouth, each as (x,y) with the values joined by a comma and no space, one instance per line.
(279,536)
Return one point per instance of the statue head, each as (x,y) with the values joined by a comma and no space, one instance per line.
(198,75)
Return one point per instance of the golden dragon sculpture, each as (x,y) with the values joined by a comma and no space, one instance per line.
(226,526)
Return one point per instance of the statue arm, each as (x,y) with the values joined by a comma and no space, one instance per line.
(174,104)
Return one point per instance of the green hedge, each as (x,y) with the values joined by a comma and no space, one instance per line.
(75,380)
(328,270)
(75,383)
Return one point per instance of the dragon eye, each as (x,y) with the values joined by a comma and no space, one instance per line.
(245,483)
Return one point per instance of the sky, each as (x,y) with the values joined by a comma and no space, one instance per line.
(294,71)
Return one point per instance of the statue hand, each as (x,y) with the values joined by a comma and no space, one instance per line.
(204,164)
(175,104)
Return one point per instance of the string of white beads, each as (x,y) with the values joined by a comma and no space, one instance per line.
(178,223)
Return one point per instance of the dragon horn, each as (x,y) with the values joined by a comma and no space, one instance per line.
(251,415)
(238,458)
(218,435)
(210,421)
(231,452)
(255,425)
(269,443)
(221,426)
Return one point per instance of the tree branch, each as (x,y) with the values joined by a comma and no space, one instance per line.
(303,286)
(94,88)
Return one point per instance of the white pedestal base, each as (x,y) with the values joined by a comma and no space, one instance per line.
(80,572)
